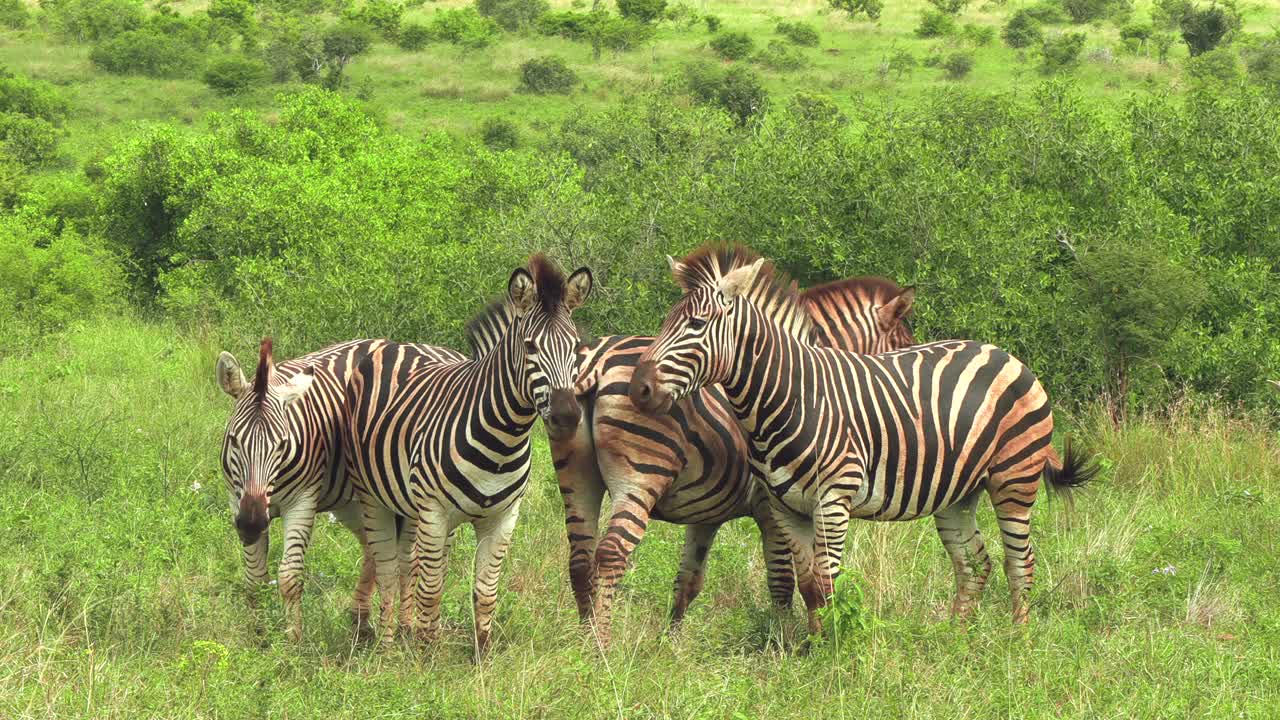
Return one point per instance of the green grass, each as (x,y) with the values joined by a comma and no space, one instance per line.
(454,89)
(123,599)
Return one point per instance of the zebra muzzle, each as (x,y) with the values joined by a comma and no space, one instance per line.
(252,518)
(565,413)
(646,391)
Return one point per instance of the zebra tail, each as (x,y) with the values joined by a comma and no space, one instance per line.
(1075,471)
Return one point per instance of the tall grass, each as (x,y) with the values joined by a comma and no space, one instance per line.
(1155,597)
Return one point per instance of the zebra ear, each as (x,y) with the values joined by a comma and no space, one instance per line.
(677,267)
(891,313)
(521,291)
(578,288)
(230,376)
(297,385)
(737,282)
(1275,384)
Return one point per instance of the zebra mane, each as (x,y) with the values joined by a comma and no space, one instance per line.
(486,329)
(873,287)
(773,292)
(548,280)
(262,376)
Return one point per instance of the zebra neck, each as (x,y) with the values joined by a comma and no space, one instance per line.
(501,386)
(764,386)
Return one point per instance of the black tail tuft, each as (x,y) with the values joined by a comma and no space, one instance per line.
(1075,470)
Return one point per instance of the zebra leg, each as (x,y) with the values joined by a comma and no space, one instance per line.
(493,537)
(777,556)
(349,516)
(406,550)
(697,542)
(798,533)
(958,528)
(831,525)
(628,521)
(380,536)
(1012,498)
(582,489)
(429,560)
(255,567)
(299,521)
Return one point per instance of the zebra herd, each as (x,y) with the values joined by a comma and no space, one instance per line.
(799,409)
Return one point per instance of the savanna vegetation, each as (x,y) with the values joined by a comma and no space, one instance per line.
(1091,184)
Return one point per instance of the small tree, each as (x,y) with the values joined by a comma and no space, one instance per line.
(1168,14)
(14,14)
(645,11)
(1022,30)
(500,134)
(958,65)
(854,8)
(950,7)
(732,45)
(513,15)
(546,75)
(235,74)
(413,37)
(800,33)
(1203,28)
(901,63)
(1061,52)
(342,43)
(1136,36)
(935,23)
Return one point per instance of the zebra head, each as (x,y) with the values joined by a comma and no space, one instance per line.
(257,443)
(699,336)
(543,299)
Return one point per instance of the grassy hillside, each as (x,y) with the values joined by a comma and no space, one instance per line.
(1155,597)
(453,88)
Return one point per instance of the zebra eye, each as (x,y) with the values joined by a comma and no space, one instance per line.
(697,325)
(530,347)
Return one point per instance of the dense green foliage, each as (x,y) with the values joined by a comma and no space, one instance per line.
(548,74)
(234,74)
(513,15)
(732,45)
(1060,52)
(935,23)
(870,8)
(645,11)
(800,33)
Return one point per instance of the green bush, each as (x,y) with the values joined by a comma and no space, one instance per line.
(645,11)
(1061,52)
(31,141)
(413,36)
(978,34)
(1047,12)
(32,98)
(737,91)
(147,52)
(950,7)
(566,24)
(1220,65)
(854,8)
(236,15)
(712,22)
(383,16)
(958,65)
(732,45)
(513,15)
(547,75)
(500,134)
(14,14)
(900,63)
(800,33)
(1086,11)
(465,27)
(935,23)
(235,74)
(781,56)
(50,279)
(1022,30)
(91,21)
(1168,14)
(1263,61)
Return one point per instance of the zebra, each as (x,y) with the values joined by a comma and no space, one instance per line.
(282,457)
(898,436)
(441,443)
(688,467)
